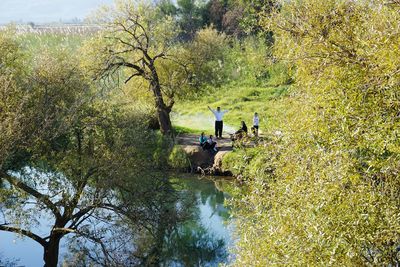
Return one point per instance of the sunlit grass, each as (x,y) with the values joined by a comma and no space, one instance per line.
(242,102)
(37,38)
(36,42)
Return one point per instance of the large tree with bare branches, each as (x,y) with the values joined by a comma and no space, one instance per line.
(137,37)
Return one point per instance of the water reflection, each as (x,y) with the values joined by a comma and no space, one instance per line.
(189,226)
(194,232)
(203,238)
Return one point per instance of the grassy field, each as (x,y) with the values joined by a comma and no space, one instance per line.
(35,42)
(241,101)
(63,36)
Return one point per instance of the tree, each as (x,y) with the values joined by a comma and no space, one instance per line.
(190,17)
(167,7)
(205,56)
(215,12)
(254,13)
(69,156)
(137,36)
(327,192)
(231,21)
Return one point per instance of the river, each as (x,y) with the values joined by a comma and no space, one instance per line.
(204,238)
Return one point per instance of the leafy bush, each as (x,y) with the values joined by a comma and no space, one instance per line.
(330,195)
(178,158)
(247,61)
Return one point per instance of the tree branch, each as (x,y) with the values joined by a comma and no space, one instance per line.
(26,233)
(162,55)
(130,77)
(31,191)
(136,23)
(139,70)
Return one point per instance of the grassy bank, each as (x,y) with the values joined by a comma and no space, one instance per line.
(241,101)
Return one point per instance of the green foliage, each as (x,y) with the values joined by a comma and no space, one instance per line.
(247,61)
(66,144)
(160,152)
(205,57)
(12,56)
(253,12)
(11,124)
(214,59)
(167,7)
(241,100)
(278,74)
(178,158)
(190,17)
(328,192)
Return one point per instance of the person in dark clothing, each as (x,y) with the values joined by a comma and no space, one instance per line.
(212,144)
(240,133)
(243,129)
(207,143)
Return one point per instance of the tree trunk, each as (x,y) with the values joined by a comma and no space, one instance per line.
(51,251)
(162,110)
(164,121)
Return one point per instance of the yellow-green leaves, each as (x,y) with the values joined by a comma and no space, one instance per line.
(333,197)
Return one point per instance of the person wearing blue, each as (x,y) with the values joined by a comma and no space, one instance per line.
(207,143)
(203,141)
(219,124)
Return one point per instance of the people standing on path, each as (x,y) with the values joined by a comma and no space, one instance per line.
(256,121)
(219,124)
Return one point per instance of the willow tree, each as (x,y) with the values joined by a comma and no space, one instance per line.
(135,38)
(328,193)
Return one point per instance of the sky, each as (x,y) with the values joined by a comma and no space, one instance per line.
(46,11)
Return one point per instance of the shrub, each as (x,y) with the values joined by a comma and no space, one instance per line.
(178,159)
(330,196)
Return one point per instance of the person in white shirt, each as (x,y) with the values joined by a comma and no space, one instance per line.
(256,121)
(219,124)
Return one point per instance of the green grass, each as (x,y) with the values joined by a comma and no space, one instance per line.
(37,42)
(185,130)
(241,101)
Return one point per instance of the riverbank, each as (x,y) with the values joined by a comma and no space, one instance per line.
(205,161)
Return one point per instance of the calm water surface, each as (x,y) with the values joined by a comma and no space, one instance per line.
(203,239)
